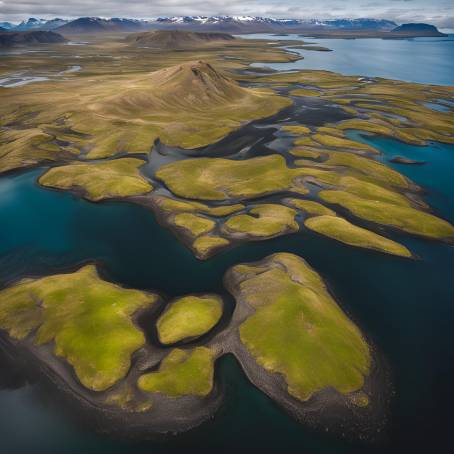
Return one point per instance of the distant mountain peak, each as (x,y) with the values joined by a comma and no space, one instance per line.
(417,29)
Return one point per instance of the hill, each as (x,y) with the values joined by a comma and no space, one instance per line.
(173,39)
(187,87)
(98,25)
(175,104)
(416,30)
(10,39)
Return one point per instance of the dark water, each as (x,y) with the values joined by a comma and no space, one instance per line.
(406,307)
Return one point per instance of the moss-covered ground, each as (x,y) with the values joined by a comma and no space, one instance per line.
(224,179)
(262,221)
(182,373)
(117,178)
(342,230)
(401,217)
(188,317)
(297,329)
(88,320)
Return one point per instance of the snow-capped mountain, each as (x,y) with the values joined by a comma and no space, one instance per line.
(233,24)
(30,24)
(250,24)
(7,25)
(39,24)
(373,24)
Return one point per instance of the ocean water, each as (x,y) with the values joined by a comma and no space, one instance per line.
(422,60)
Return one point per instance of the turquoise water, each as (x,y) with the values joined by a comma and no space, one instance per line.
(435,176)
(422,60)
(406,307)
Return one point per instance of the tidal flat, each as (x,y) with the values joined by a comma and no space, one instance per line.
(285,167)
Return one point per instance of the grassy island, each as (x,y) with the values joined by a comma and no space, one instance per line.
(401,217)
(224,179)
(342,230)
(195,225)
(88,319)
(310,207)
(182,373)
(118,178)
(297,329)
(171,205)
(204,245)
(262,221)
(189,317)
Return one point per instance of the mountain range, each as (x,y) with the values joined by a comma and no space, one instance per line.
(228,24)
(265,22)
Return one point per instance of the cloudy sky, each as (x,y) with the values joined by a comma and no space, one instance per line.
(439,12)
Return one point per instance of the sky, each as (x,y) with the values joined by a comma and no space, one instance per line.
(437,12)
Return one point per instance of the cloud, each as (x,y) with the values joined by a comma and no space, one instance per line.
(407,10)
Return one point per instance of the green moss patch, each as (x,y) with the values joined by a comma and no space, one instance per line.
(301,152)
(182,373)
(339,142)
(297,329)
(118,178)
(88,319)
(368,167)
(223,179)
(401,217)
(310,207)
(204,245)
(189,317)
(171,205)
(195,225)
(263,221)
(296,129)
(342,230)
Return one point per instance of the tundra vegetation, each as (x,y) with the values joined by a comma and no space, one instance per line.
(321,347)
(188,317)
(88,319)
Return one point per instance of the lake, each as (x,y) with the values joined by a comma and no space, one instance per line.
(422,60)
